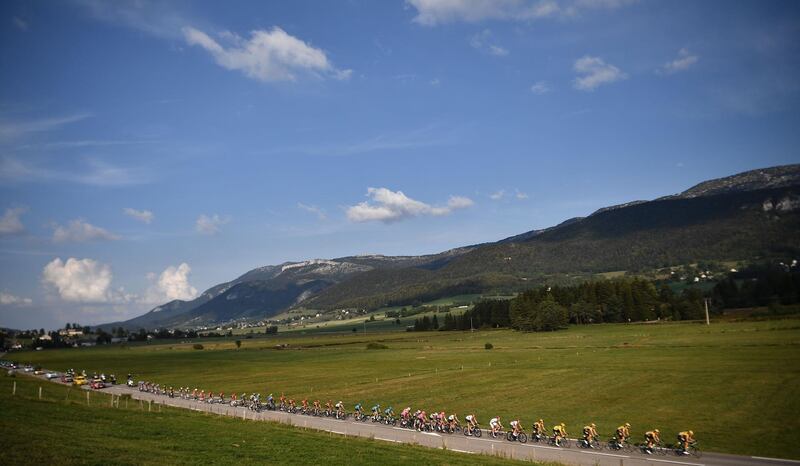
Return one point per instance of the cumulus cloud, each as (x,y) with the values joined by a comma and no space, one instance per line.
(8,299)
(209,225)
(484,41)
(10,222)
(540,88)
(172,283)
(433,12)
(80,231)
(595,72)
(272,55)
(144,216)
(313,209)
(683,62)
(79,280)
(520,195)
(391,206)
(496,196)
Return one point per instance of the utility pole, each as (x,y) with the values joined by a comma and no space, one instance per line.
(471,329)
(708,322)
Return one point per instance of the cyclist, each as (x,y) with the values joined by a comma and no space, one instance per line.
(434,420)
(685,438)
(559,432)
(452,422)
(389,413)
(405,414)
(651,437)
(516,427)
(422,420)
(271,401)
(339,409)
(472,423)
(292,405)
(329,407)
(623,434)
(358,412)
(589,434)
(316,407)
(305,405)
(539,430)
(496,425)
(376,412)
(283,401)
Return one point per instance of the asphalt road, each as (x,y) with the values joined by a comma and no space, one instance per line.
(454,442)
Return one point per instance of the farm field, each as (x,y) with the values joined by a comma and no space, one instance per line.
(67,431)
(727,382)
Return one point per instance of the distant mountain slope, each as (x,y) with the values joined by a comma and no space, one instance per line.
(764,178)
(748,216)
(735,223)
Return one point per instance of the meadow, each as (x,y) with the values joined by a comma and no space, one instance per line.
(61,429)
(733,383)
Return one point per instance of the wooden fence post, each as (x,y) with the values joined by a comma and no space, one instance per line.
(40,392)
(14,389)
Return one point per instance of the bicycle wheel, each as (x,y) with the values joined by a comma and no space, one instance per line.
(509,436)
(695,451)
(522,437)
(477,432)
(565,443)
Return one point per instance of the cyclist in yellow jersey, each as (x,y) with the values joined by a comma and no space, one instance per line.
(623,433)
(684,439)
(539,429)
(590,434)
(652,437)
(559,432)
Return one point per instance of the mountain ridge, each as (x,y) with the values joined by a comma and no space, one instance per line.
(762,200)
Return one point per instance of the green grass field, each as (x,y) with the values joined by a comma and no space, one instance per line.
(732,383)
(57,430)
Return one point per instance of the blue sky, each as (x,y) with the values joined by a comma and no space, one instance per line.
(151,150)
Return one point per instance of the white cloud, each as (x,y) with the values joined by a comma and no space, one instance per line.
(435,82)
(10,222)
(484,41)
(8,299)
(272,55)
(496,196)
(540,88)
(520,195)
(433,12)
(391,206)
(595,72)
(79,280)
(144,216)
(10,129)
(209,225)
(313,209)
(683,62)
(79,231)
(172,283)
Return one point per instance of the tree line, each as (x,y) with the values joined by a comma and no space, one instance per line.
(547,308)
